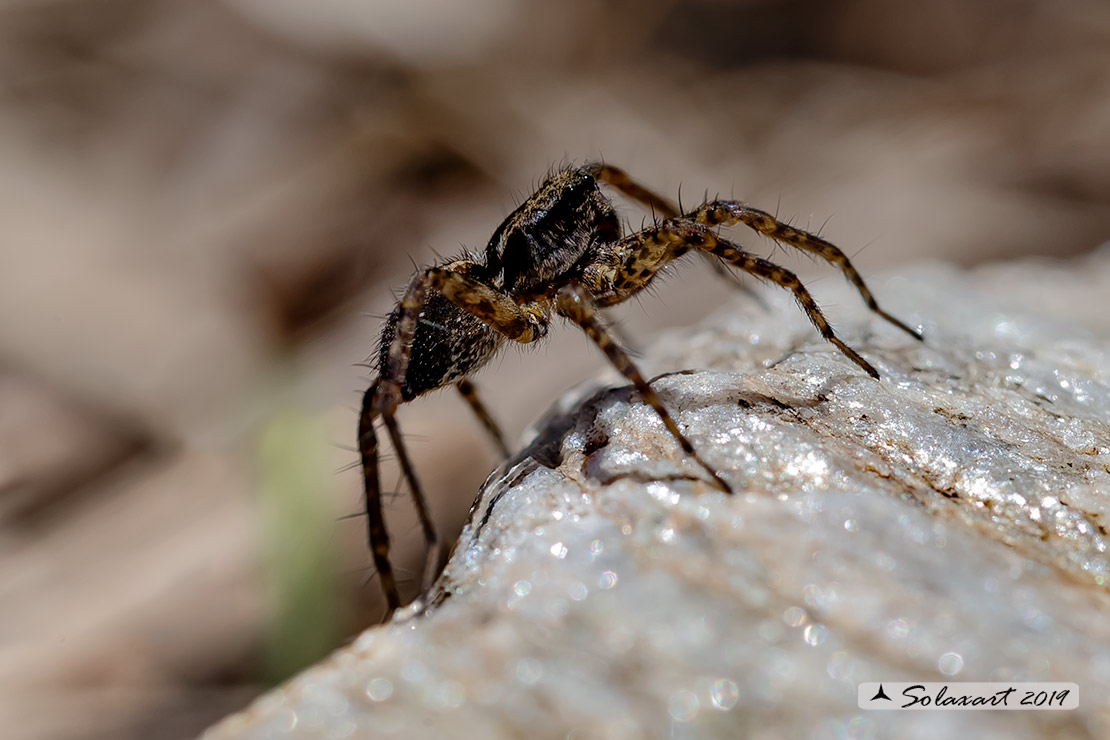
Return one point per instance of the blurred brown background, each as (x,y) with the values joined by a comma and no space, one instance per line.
(201,201)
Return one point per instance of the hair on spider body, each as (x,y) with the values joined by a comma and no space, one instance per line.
(449,344)
(541,241)
(561,251)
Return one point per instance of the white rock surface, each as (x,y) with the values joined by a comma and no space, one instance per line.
(948,522)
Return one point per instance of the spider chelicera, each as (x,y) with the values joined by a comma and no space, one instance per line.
(562,252)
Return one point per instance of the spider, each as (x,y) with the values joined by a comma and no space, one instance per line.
(562,251)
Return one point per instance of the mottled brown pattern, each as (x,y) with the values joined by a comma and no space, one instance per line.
(730,212)
(561,251)
(648,251)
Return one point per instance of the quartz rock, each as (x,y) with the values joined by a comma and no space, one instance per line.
(948,522)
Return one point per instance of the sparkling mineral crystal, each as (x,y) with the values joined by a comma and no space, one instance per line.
(946,523)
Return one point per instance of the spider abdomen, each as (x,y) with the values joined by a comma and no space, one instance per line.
(449,344)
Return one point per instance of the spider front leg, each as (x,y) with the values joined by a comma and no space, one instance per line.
(731,212)
(573,302)
(768,270)
(617,178)
(644,253)
(661,208)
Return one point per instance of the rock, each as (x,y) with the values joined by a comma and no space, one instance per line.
(946,523)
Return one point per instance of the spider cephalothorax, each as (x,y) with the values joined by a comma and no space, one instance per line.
(551,231)
(560,252)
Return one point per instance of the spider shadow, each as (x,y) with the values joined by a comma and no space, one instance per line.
(546,448)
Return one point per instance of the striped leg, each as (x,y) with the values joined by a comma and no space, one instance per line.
(662,208)
(643,254)
(375,518)
(434,547)
(617,178)
(781,276)
(731,212)
(573,302)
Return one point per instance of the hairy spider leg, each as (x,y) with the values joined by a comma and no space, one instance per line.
(470,395)
(636,258)
(375,519)
(663,208)
(617,178)
(768,270)
(575,304)
(433,545)
(731,212)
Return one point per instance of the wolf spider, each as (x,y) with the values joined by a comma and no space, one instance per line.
(560,252)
